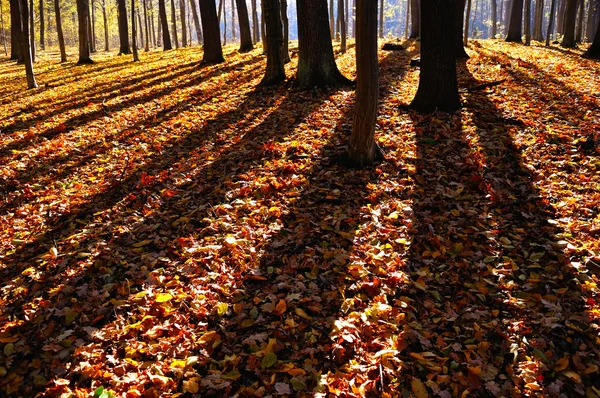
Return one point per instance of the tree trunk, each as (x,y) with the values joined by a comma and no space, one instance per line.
(362,150)
(90,36)
(593,7)
(174,23)
(264,34)
(494,18)
(31,31)
(467,21)
(407,19)
(594,50)
(550,22)
(415,19)
(527,22)
(184,38)
(459,13)
(140,25)
(245,35)
(286,32)
(213,53)
(2,27)
(160,25)
(568,40)
(224,23)
(275,72)
(151,24)
(16,45)
(438,88)
(164,25)
(331,20)
(316,63)
(105,20)
(146,27)
(255,27)
(123,28)
(560,17)
(93,27)
(538,20)
(83,11)
(196,21)
(342,18)
(136,57)
(381,4)
(26,43)
(515,25)
(42,26)
(580,18)
(353,18)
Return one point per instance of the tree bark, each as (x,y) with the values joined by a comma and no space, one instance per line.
(42,26)
(560,17)
(550,22)
(184,38)
(316,63)
(438,87)
(415,19)
(196,21)
(213,53)
(568,40)
(93,28)
(342,18)
(16,47)
(136,57)
(407,18)
(594,50)
(459,12)
(494,12)
(2,27)
(31,31)
(538,19)
(245,34)
(286,32)
(255,26)
(275,72)
(515,25)
(580,24)
(105,20)
(527,22)
(362,150)
(164,25)
(381,4)
(174,23)
(83,11)
(123,28)
(592,10)
(467,21)
(146,27)
(331,20)
(26,43)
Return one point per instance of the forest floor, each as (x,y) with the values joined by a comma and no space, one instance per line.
(170,228)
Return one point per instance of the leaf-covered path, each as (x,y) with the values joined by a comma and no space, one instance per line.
(168,227)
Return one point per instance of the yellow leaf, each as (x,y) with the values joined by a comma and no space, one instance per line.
(572,375)
(208,337)
(393,216)
(163,297)
(300,312)
(418,388)
(222,308)
(561,364)
(179,363)
(591,369)
(142,243)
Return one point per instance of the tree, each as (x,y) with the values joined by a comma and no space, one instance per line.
(275,72)
(184,38)
(123,28)
(550,22)
(515,24)
(316,63)
(459,19)
(2,27)
(362,149)
(245,35)
(136,57)
(286,32)
(197,21)
(42,26)
(255,24)
(26,43)
(83,11)
(415,19)
(31,31)
(146,27)
(494,11)
(342,19)
(381,6)
(466,28)
(59,31)
(16,50)
(213,53)
(538,16)
(164,25)
(568,40)
(438,87)
(527,22)
(594,50)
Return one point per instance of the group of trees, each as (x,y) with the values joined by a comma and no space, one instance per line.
(443,36)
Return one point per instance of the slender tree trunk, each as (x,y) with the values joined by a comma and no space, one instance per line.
(362,149)
(42,26)
(213,53)
(31,30)
(160,25)
(151,24)
(516,22)
(123,28)
(83,12)
(286,32)
(467,20)
(415,19)
(550,22)
(316,63)
(593,7)
(560,17)
(353,18)
(146,27)
(26,43)
(2,27)
(459,12)
(407,19)
(196,20)
(224,23)
(331,19)
(16,45)
(342,18)
(381,4)
(255,27)
(580,24)
(164,25)
(569,28)
(594,50)
(527,22)
(136,57)
(538,20)
(233,34)
(140,25)
(245,35)
(105,20)
(93,27)
(494,18)
(184,38)
(275,72)
(174,23)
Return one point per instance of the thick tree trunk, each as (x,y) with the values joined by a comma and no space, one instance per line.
(527,22)
(515,25)
(136,57)
(438,88)
(550,22)
(245,35)
(316,63)
(174,24)
(196,21)
(342,18)
(594,50)
(580,24)
(164,25)
(42,26)
(286,32)
(415,19)
(494,12)
(560,17)
(123,28)
(568,40)
(213,53)
(593,7)
(16,47)
(275,72)
(255,26)
(26,43)
(362,150)
(83,11)
(538,20)
(184,38)
(459,12)
(105,20)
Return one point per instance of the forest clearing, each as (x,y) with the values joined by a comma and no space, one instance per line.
(170,227)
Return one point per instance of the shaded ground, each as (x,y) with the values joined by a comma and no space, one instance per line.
(168,227)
